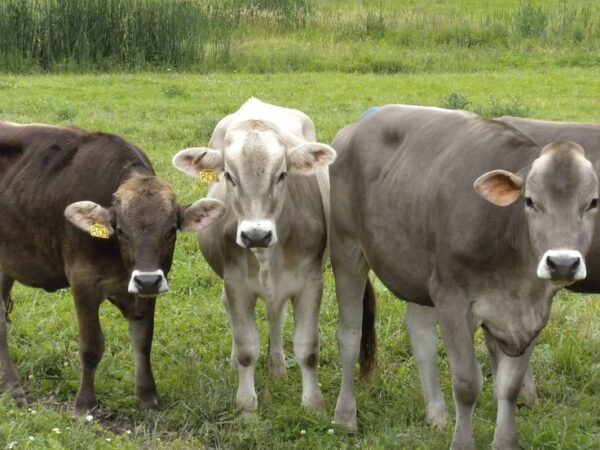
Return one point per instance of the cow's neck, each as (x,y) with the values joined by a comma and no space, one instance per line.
(265,258)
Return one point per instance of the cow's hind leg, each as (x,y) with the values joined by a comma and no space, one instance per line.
(509,377)
(351,276)
(421,323)
(306,339)
(467,381)
(275,318)
(91,344)
(141,330)
(242,306)
(10,380)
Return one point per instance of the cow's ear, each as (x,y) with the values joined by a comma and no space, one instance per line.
(200,214)
(499,187)
(306,158)
(91,218)
(192,161)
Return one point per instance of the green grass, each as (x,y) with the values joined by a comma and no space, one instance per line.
(267,36)
(164,113)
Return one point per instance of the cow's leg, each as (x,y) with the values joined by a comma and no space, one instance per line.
(467,380)
(275,318)
(306,341)
(232,358)
(528,389)
(242,306)
(10,380)
(351,273)
(141,330)
(91,344)
(509,377)
(421,323)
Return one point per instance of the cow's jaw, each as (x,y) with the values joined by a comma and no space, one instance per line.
(562,266)
(147,283)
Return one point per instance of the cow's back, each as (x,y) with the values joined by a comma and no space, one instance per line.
(43,169)
(403,184)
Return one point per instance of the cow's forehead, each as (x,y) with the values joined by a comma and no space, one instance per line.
(254,151)
(143,192)
(562,168)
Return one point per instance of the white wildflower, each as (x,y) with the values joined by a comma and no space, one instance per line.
(56,430)
(89,417)
(302,431)
(330,431)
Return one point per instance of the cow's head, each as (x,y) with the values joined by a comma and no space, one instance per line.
(561,203)
(145,218)
(255,162)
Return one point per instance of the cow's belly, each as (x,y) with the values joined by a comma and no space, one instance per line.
(34,274)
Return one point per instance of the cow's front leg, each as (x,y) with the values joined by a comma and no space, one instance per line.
(306,340)
(421,323)
(246,339)
(467,380)
(9,379)
(275,318)
(508,380)
(141,331)
(232,357)
(91,344)
(528,390)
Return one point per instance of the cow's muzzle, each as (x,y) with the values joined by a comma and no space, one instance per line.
(256,234)
(562,266)
(147,284)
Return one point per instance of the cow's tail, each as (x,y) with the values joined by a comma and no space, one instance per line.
(368,340)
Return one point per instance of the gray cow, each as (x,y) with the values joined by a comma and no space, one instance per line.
(272,240)
(421,321)
(403,205)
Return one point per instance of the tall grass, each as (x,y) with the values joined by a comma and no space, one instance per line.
(289,35)
(103,34)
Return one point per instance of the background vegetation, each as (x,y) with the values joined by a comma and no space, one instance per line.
(332,59)
(382,36)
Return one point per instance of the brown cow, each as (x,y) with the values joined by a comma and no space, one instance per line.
(49,173)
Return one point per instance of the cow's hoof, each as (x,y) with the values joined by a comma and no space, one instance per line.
(84,404)
(437,417)
(277,369)
(346,420)
(315,403)
(18,395)
(150,404)
(463,444)
(246,403)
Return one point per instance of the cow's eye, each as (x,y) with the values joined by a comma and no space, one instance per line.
(228,178)
(593,204)
(281,177)
(120,233)
(529,202)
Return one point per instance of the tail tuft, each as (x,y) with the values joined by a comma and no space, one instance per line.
(368,340)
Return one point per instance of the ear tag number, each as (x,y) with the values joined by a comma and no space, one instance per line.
(99,231)
(208,176)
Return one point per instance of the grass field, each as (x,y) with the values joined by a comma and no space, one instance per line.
(164,113)
(267,36)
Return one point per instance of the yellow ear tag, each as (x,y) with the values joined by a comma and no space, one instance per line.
(99,231)
(208,176)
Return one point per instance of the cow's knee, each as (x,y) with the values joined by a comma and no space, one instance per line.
(91,358)
(467,385)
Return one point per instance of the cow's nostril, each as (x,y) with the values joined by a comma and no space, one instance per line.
(146,281)
(268,237)
(551,264)
(575,264)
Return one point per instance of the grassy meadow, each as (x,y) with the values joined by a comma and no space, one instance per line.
(161,73)
(164,113)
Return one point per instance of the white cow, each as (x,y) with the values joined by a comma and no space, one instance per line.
(273,238)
